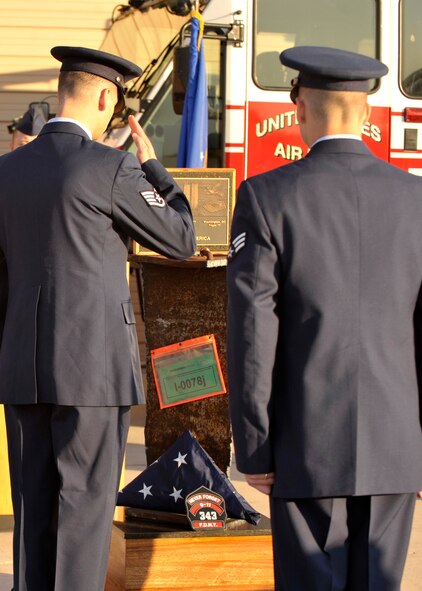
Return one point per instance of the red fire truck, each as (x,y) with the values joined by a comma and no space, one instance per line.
(252,123)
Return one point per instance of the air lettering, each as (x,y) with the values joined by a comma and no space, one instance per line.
(288,152)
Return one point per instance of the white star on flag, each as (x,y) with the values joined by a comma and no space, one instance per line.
(146,490)
(180,459)
(176,494)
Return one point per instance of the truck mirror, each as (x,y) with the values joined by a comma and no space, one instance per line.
(180,77)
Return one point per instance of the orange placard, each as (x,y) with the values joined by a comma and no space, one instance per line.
(187,371)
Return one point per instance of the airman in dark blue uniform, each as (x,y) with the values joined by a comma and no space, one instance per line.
(69,360)
(325,340)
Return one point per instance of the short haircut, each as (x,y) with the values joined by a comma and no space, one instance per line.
(73,83)
(325,102)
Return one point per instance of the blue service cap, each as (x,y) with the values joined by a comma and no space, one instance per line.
(326,68)
(33,120)
(100,63)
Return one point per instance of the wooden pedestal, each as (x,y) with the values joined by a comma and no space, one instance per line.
(152,556)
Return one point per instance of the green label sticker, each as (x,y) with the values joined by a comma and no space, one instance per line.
(187,374)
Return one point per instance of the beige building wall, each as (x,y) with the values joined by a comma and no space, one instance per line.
(28,29)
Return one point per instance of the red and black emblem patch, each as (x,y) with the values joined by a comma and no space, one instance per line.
(206,509)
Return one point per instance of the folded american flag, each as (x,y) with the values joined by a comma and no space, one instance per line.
(183,468)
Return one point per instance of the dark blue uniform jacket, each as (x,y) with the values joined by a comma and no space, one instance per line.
(68,206)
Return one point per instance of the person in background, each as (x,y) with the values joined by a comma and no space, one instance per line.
(325,339)
(69,358)
(26,128)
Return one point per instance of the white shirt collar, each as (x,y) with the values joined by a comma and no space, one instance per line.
(69,120)
(337,136)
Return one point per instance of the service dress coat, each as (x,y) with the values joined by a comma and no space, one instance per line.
(68,206)
(325,325)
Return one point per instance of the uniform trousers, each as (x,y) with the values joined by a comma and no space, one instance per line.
(65,466)
(341,544)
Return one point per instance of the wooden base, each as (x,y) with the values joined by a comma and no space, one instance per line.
(5,494)
(239,559)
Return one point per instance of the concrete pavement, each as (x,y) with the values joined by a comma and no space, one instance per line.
(135,463)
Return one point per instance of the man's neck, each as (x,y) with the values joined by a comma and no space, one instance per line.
(84,127)
(77,114)
(336,136)
(316,134)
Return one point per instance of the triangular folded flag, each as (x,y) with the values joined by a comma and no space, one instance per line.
(183,468)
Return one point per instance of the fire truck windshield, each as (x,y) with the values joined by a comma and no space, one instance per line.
(411,48)
(280,24)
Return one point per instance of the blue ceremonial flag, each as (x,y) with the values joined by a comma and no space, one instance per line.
(182,469)
(194,133)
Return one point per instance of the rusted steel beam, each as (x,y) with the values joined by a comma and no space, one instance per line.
(184,300)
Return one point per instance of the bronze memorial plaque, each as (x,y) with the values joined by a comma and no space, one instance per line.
(211,193)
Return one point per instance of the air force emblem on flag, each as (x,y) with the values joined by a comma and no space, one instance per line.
(153,198)
(237,244)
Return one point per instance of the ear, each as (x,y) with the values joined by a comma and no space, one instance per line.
(368,110)
(103,99)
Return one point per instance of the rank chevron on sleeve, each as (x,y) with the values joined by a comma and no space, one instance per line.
(153,198)
(237,244)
